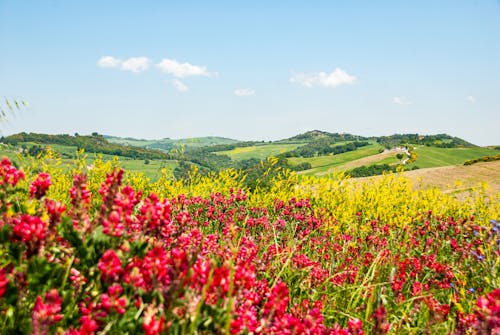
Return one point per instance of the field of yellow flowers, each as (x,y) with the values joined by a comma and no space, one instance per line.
(96,250)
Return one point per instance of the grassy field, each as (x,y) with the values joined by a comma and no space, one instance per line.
(324,164)
(427,157)
(435,157)
(150,170)
(258,151)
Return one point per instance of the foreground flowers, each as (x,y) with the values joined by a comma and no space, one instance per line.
(119,262)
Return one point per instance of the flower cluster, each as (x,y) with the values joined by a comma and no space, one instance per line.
(40,185)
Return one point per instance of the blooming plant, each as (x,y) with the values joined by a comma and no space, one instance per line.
(114,259)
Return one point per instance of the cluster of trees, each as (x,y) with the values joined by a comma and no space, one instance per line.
(377,169)
(439,140)
(93,144)
(324,146)
(202,158)
(316,134)
(230,146)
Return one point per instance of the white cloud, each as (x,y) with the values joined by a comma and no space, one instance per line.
(109,61)
(244,92)
(335,78)
(180,70)
(180,86)
(133,64)
(401,101)
(471,99)
(136,64)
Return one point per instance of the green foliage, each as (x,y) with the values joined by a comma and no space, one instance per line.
(318,134)
(324,146)
(91,144)
(377,169)
(438,141)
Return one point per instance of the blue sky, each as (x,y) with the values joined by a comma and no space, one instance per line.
(252,69)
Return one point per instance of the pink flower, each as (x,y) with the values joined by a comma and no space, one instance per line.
(110,266)
(45,314)
(40,185)
(77,278)
(55,210)
(112,302)
(79,192)
(151,324)
(4,282)
(8,173)
(29,228)
(355,326)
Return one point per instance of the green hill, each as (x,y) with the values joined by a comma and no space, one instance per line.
(434,157)
(311,153)
(167,144)
(92,144)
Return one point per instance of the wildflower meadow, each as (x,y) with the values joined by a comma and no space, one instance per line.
(97,250)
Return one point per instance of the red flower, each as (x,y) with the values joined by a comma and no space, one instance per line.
(29,228)
(488,313)
(355,326)
(416,289)
(4,282)
(151,324)
(111,301)
(45,314)
(40,185)
(55,210)
(8,173)
(79,193)
(110,266)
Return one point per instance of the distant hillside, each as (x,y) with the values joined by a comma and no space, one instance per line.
(166,144)
(93,144)
(311,153)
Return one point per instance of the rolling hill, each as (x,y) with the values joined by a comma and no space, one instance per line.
(315,152)
(168,143)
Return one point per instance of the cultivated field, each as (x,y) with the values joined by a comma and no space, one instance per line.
(258,151)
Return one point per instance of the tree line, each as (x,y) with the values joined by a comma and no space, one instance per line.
(93,144)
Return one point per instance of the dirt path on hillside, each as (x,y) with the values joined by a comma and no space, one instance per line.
(365,160)
(457,179)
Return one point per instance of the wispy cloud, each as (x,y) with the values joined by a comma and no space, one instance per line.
(471,99)
(109,62)
(336,78)
(133,64)
(180,86)
(136,64)
(401,101)
(244,92)
(181,70)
